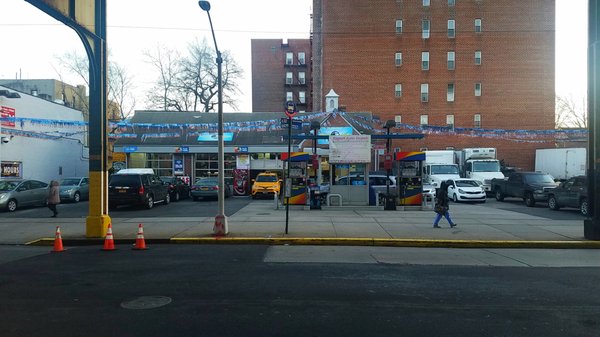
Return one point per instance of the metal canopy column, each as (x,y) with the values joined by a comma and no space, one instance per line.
(88,19)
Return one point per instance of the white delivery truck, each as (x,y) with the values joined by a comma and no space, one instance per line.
(479,164)
(439,166)
(562,163)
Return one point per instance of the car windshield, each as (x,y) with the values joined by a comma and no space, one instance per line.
(68,182)
(539,179)
(486,166)
(207,182)
(467,183)
(444,169)
(8,185)
(266,179)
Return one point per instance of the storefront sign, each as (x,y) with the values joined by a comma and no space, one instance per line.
(6,112)
(130,148)
(213,137)
(11,170)
(350,149)
(243,162)
(177,166)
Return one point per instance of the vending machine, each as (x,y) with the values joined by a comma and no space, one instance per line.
(409,181)
(295,186)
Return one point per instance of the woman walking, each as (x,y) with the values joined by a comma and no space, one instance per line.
(441,205)
(53,197)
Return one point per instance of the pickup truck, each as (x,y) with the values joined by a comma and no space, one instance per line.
(531,186)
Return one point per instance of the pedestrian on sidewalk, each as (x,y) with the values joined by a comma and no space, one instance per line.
(442,207)
(53,197)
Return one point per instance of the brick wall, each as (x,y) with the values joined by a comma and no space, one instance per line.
(517,70)
(269,70)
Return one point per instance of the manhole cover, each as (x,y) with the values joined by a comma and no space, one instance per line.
(146,302)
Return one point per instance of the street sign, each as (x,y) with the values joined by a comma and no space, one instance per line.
(290,109)
(296,123)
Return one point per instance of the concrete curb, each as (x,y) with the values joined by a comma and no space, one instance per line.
(339,242)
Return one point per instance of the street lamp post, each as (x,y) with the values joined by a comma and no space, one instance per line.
(389,204)
(220,228)
(315,126)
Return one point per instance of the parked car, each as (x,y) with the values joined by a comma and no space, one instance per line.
(74,189)
(208,187)
(266,184)
(136,187)
(571,193)
(464,189)
(178,188)
(531,186)
(15,193)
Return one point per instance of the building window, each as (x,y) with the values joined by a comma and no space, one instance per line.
(425,60)
(289,77)
(450,121)
(289,58)
(424,92)
(289,96)
(425,25)
(478,57)
(162,163)
(451,3)
(477,89)
(398,119)
(424,120)
(477,25)
(302,97)
(398,90)
(451,57)
(426,3)
(398,59)
(301,77)
(301,58)
(450,93)
(398,26)
(207,165)
(477,121)
(451,29)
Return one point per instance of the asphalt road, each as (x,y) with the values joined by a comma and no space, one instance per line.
(221,291)
(201,208)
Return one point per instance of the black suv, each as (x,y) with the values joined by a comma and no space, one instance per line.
(128,187)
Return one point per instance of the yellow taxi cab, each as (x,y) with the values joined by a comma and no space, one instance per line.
(266,184)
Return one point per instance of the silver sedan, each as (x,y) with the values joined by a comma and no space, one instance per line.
(16,193)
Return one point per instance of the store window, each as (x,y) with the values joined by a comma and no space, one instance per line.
(207,165)
(161,163)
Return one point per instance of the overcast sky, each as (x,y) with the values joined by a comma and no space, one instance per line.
(31,40)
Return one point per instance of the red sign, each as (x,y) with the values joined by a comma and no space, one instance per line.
(6,112)
(387,163)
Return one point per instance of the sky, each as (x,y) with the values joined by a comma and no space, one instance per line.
(31,40)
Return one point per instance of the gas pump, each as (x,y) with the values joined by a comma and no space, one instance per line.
(296,183)
(409,181)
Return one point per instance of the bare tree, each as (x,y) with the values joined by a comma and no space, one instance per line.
(121,101)
(569,114)
(166,62)
(190,83)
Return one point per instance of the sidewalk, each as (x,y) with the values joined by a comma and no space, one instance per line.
(260,222)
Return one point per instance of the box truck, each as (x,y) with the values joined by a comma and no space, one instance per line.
(562,163)
(479,164)
(439,166)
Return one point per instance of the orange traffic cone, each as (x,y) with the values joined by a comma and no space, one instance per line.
(58,245)
(140,243)
(109,242)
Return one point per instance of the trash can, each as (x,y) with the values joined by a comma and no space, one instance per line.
(315,197)
(390,203)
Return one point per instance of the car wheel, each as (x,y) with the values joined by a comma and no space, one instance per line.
(499,195)
(552,204)
(529,200)
(76,197)
(254,197)
(176,197)
(454,197)
(167,199)
(11,206)
(149,202)
(583,207)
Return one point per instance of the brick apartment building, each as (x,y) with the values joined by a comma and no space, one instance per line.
(281,72)
(457,63)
